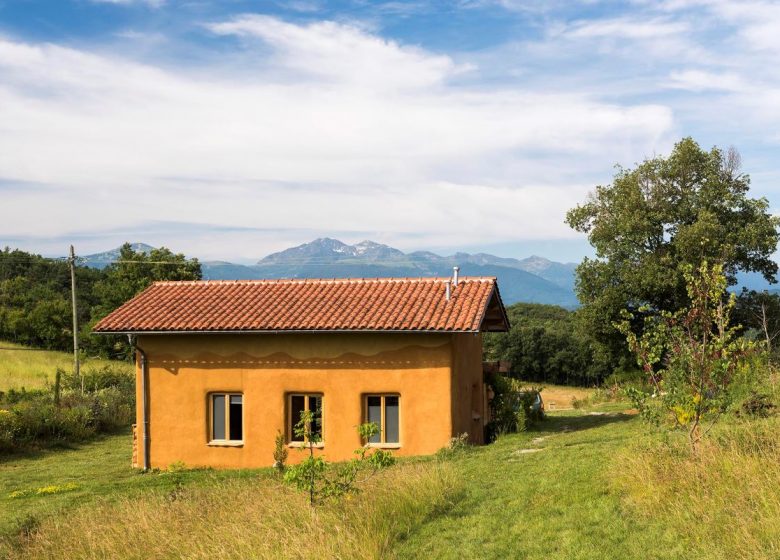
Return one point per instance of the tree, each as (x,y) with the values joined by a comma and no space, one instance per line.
(35,299)
(758,313)
(132,273)
(322,480)
(544,344)
(694,357)
(653,221)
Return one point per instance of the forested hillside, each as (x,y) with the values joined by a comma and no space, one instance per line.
(545,344)
(35,295)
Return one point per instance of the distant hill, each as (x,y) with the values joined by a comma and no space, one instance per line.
(102,260)
(534,279)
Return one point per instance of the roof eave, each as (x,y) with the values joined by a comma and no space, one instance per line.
(288,331)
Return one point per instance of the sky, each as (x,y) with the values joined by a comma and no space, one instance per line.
(231,129)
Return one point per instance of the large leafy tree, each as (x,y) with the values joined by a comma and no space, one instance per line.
(544,344)
(35,304)
(130,274)
(653,221)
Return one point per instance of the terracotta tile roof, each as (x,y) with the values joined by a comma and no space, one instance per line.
(375,304)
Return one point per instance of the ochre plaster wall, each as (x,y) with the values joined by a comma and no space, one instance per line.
(265,368)
(467,393)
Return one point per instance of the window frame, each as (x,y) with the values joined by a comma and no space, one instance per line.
(291,425)
(382,443)
(210,427)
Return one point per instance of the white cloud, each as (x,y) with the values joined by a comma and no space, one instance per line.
(335,130)
(702,80)
(626,28)
(344,53)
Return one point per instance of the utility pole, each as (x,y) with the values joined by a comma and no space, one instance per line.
(76,371)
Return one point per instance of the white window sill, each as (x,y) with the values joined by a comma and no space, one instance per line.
(384,445)
(304,445)
(225,443)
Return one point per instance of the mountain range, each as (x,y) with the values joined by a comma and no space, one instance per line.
(534,279)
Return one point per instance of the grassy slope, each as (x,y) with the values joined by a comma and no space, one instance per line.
(560,502)
(555,503)
(100,468)
(32,369)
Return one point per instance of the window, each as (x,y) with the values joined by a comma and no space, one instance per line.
(299,403)
(383,410)
(227,417)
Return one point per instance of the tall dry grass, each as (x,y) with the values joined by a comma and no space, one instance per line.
(725,502)
(34,369)
(256,518)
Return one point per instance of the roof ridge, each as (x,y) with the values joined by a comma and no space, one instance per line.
(389,279)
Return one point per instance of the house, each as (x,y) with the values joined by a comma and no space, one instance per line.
(224,366)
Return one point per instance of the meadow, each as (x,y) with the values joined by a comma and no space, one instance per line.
(591,480)
(583,484)
(22,367)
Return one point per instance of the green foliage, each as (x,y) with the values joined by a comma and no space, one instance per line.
(512,408)
(545,344)
(35,307)
(35,296)
(134,272)
(32,418)
(280,452)
(758,405)
(657,219)
(694,358)
(758,314)
(323,480)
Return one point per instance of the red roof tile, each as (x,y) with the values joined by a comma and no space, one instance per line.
(373,304)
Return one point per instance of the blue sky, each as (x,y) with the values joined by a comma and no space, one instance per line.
(233,129)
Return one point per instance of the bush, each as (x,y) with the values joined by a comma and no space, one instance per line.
(96,379)
(7,430)
(29,418)
(757,404)
(14,396)
(512,407)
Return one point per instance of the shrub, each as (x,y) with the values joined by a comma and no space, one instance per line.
(512,407)
(757,404)
(74,424)
(458,444)
(112,409)
(7,430)
(695,360)
(96,379)
(32,417)
(323,480)
(280,452)
(14,396)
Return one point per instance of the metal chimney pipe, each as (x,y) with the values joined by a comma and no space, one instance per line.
(455,270)
(447,290)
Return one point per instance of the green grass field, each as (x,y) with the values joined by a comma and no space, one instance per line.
(546,493)
(583,484)
(33,369)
